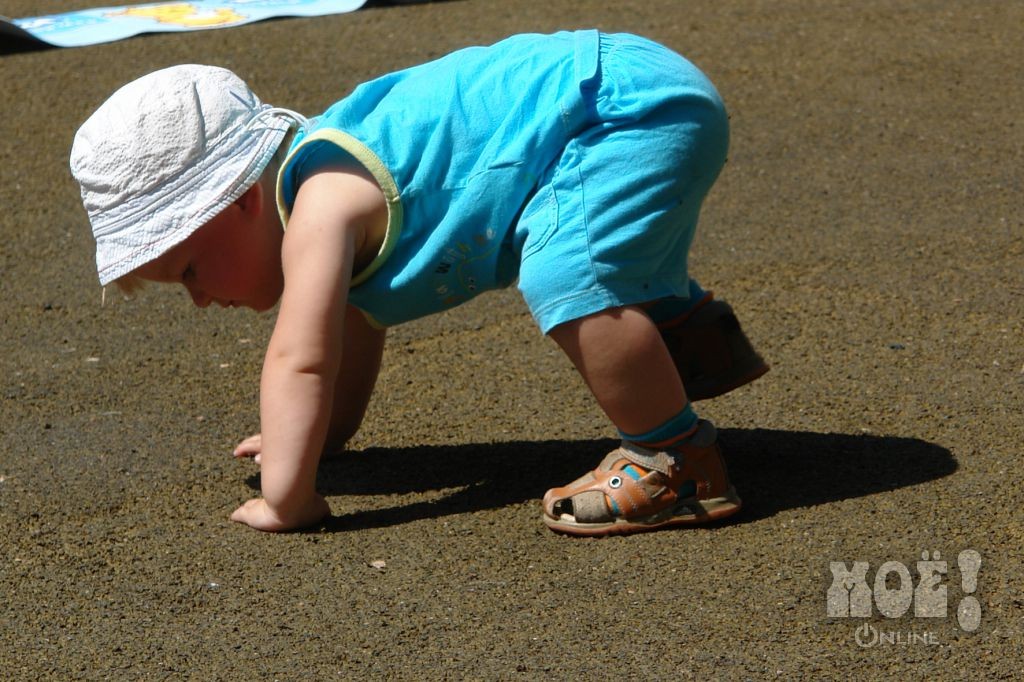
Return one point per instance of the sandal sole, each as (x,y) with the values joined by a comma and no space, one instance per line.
(707,511)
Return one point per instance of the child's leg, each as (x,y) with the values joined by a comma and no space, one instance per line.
(677,474)
(707,344)
(620,355)
(710,351)
(674,309)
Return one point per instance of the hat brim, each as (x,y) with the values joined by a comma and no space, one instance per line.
(144,228)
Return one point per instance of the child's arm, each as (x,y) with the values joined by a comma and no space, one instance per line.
(360,365)
(363,346)
(332,214)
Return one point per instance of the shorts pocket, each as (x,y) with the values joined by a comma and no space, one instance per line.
(537,222)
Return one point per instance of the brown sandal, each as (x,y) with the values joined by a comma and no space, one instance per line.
(711,353)
(635,489)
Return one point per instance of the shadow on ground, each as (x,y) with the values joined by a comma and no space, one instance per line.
(773,470)
(17,45)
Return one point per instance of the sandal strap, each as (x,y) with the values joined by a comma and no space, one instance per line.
(650,460)
(632,497)
(616,491)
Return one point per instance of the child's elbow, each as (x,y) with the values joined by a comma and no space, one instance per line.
(301,360)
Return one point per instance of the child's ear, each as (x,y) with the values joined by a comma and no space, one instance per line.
(251,200)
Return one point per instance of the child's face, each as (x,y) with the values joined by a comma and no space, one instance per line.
(233,260)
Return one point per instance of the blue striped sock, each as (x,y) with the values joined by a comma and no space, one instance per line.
(669,434)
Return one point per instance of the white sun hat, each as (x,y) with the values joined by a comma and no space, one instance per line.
(165,154)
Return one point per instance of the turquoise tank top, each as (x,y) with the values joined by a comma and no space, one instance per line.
(458,146)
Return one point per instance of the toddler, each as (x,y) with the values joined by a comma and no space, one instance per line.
(573,163)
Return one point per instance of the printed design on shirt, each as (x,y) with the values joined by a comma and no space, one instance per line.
(453,281)
(184,14)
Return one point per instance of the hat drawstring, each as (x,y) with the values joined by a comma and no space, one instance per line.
(298,118)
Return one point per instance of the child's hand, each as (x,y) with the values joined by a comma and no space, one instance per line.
(250,447)
(259,515)
(253,447)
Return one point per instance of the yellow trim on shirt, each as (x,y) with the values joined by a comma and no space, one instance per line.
(381,174)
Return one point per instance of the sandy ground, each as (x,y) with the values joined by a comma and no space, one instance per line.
(867,229)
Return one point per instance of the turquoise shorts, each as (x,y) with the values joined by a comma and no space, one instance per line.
(614,216)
